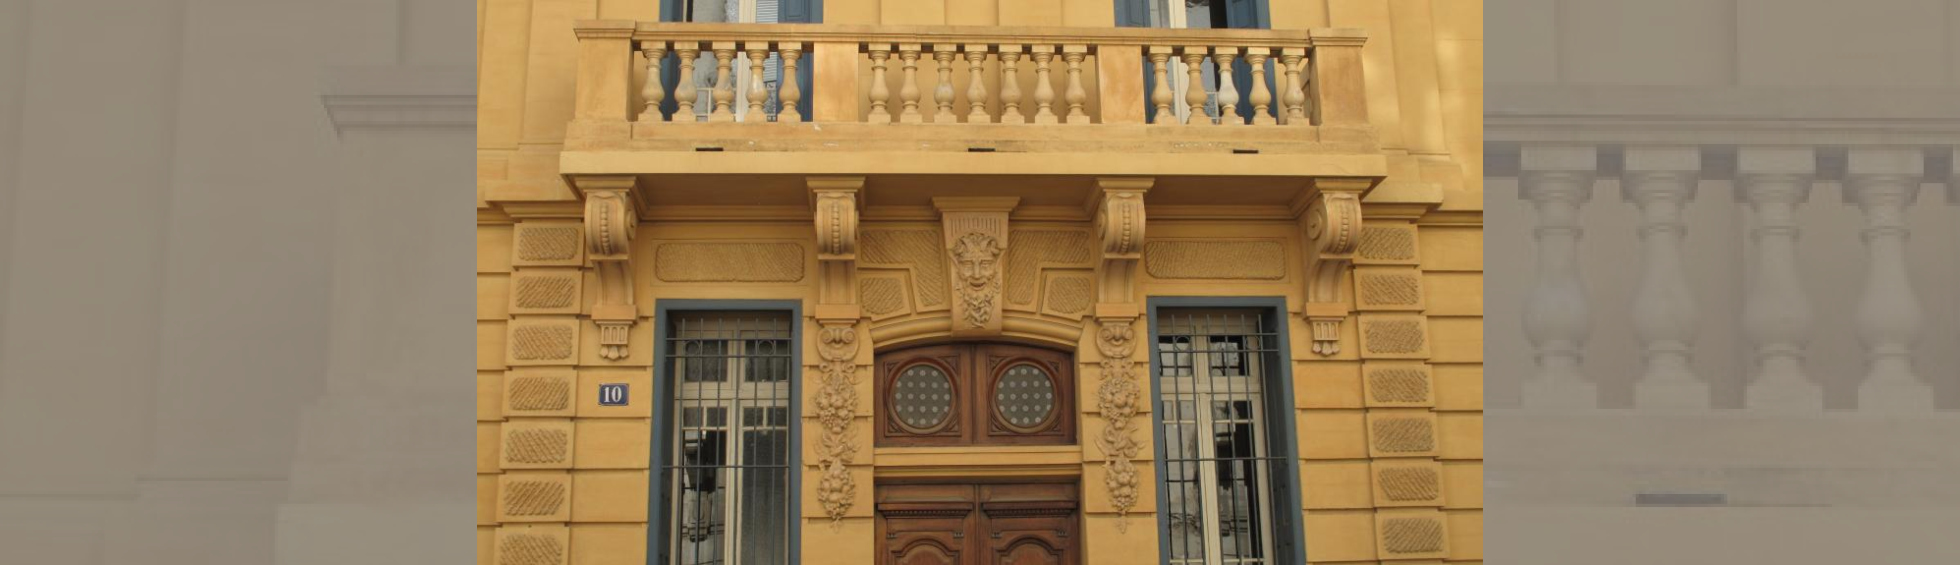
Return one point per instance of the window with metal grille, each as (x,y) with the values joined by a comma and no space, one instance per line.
(728,472)
(1226,464)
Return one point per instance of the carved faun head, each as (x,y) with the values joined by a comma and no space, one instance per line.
(975,259)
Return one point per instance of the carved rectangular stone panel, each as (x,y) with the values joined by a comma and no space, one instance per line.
(883,295)
(977,239)
(546,291)
(1387,244)
(1068,294)
(534,496)
(532,545)
(1407,482)
(1215,259)
(538,392)
(1401,433)
(1394,336)
(729,262)
(920,251)
(1388,288)
(537,444)
(548,244)
(1396,384)
(542,341)
(1411,534)
(1036,251)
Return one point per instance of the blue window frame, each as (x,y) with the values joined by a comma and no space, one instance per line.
(1222,418)
(726,456)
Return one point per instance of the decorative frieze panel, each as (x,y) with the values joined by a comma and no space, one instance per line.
(730,262)
(1215,259)
(917,250)
(1039,250)
(882,296)
(976,238)
(1069,295)
(1387,245)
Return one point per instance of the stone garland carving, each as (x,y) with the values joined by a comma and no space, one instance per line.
(610,223)
(1333,228)
(1117,398)
(976,259)
(836,406)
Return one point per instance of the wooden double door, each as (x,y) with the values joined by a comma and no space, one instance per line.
(978,523)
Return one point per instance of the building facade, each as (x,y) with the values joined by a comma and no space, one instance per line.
(1079,281)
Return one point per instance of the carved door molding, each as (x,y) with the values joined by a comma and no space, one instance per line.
(978,523)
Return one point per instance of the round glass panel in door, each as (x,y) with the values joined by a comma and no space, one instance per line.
(922,398)
(1025,397)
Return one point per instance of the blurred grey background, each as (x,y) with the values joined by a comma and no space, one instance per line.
(234,306)
(1723,278)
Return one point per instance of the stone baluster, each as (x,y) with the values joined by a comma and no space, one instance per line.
(976,85)
(1776,316)
(724,93)
(789,92)
(758,95)
(652,92)
(1228,93)
(1557,319)
(1261,97)
(942,94)
(1074,94)
(1295,100)
(1194,92)
(1044,89)
(1010,85)
(908,89)
(687,89)
(1883,183)
(1160,93)
(1662,181)
(881,92)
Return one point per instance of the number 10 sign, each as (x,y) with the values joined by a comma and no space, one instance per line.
(612,394)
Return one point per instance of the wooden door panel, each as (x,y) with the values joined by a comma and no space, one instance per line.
(998,396)
(958,523)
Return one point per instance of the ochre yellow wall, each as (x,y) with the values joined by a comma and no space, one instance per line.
(1417,285)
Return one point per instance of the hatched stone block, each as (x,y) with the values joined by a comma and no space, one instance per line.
(534,496)
(1388,288)
(1401,433)
(532,545)
(1394,336)
(537,444)
(1407,482)
(539,392)
(1397,384)
(1411,534)
(543,341)
(1387,244)
(546,291)
(548,244)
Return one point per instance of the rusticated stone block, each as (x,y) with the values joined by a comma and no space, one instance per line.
(1392,288)
(1070,295)
(1397,434)
(1234,260)
(553,291)
(1394,336)
(881,295)
(1411,536)
(1418,483)
(1397,384)
(537,444)
(532,545)
(547,244)
(546,341)
(534,497)
(1390,244)
(538,392)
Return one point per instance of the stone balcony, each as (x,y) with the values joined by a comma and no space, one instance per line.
(983,103)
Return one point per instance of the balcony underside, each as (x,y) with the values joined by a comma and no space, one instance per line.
(669,196)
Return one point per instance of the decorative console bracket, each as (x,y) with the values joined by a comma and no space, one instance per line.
(976,237)
(611,219)
(1118,206)
(835,203)
(1333,223)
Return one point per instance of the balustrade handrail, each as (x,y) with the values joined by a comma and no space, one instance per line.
(842,33)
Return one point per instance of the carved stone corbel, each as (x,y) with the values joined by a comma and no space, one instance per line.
(976,237)
(835,202)
(1118,206)
(1333,225)
(611,220)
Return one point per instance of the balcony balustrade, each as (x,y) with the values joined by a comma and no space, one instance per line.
(669,75)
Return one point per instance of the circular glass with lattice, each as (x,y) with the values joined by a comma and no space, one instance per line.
(1024,397)
(922,398)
